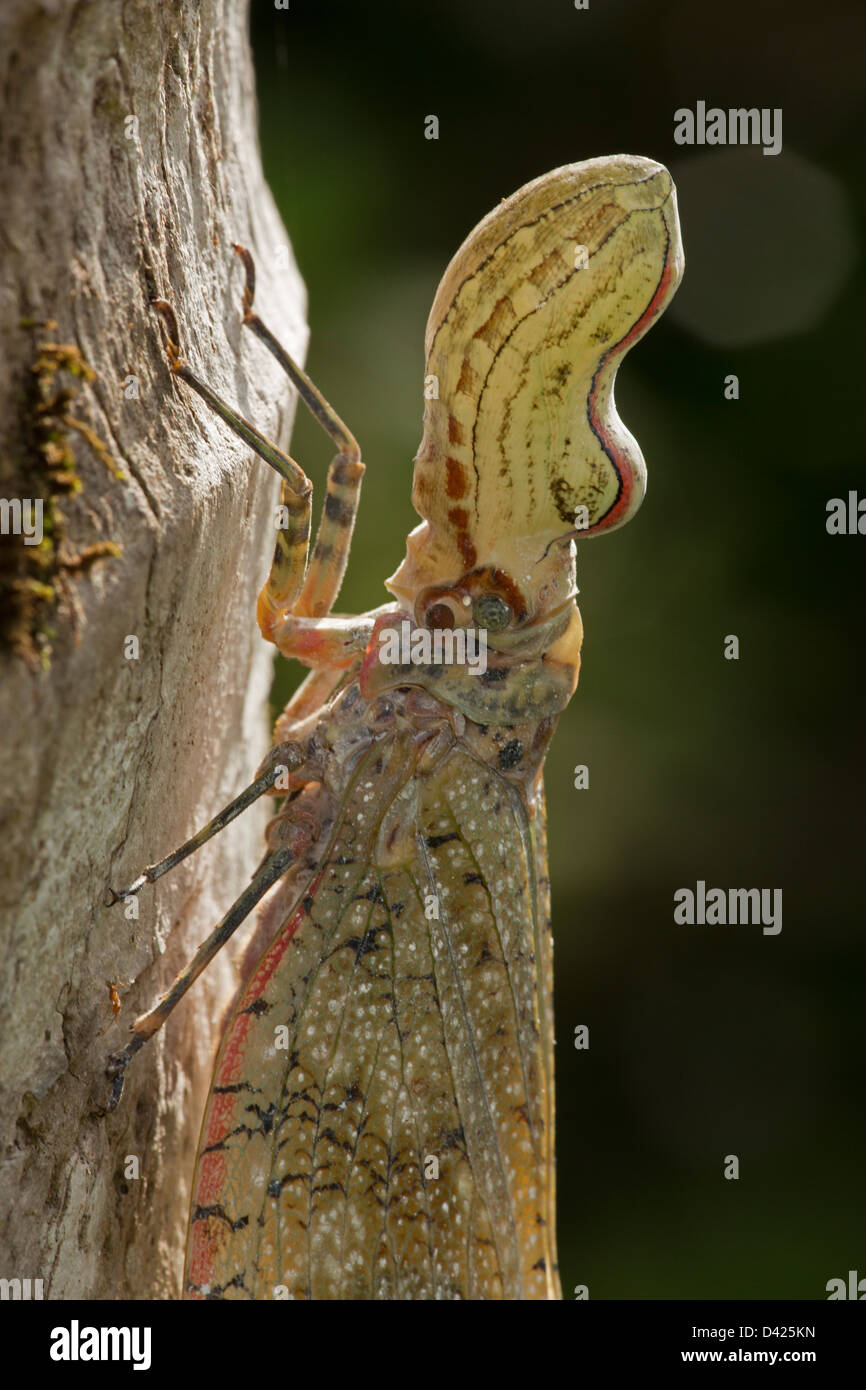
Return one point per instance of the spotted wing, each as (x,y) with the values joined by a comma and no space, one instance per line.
(380,1121)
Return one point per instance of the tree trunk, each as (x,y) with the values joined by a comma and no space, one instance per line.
(129,164)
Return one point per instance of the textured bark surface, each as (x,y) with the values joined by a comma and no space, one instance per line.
(106,763)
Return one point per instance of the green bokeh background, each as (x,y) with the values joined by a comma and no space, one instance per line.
(705,1041)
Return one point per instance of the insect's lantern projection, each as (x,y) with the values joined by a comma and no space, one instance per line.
(380,1122)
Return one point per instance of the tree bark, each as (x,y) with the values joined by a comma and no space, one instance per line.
(129,164)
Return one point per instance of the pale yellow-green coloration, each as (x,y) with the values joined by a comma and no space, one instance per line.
(529,325)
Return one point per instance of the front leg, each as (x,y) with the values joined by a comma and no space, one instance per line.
(331,551)
(321,643)
(294,588)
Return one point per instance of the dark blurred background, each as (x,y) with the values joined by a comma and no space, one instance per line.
(705,1041)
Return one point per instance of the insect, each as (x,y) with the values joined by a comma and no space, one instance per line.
(113,996)
(114,987)
(380,1122)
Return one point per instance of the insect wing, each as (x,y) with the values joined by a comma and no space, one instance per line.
(396,1145)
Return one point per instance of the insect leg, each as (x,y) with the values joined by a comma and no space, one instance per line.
(282,759)
(286,590)
(290,555)
(147,1024)
(331,552)
(315,690)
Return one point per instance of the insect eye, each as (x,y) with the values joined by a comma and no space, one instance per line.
(492,612)
(439,615)
(447,610)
